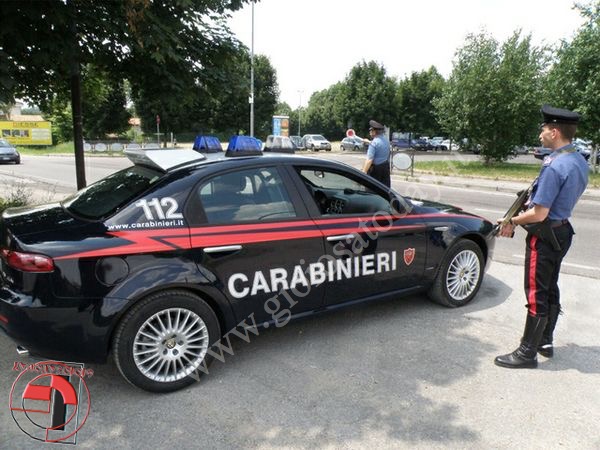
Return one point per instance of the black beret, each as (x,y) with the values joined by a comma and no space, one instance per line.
(375,125)
(557,115)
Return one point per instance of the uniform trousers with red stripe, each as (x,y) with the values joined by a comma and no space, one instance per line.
(542,267)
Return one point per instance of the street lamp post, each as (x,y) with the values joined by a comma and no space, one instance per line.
(299,111)
(251,99)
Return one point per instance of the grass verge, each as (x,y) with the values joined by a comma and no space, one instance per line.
(496,171)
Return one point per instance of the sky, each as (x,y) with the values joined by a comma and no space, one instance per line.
(313,44)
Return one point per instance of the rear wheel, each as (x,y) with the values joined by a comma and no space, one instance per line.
(161,344)
(459,276)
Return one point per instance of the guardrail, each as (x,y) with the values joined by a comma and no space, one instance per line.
(116,147)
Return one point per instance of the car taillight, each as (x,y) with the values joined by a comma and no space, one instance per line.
(28,262)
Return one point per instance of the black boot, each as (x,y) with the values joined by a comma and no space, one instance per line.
(545,347)
(526,355)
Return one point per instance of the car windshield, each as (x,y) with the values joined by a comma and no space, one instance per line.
(318,137)
(4,143)
(111,193)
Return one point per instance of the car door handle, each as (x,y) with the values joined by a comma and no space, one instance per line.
(441,228)
(340,237)
(223,249)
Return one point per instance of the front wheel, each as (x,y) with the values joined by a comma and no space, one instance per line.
(459,276)
(161,344)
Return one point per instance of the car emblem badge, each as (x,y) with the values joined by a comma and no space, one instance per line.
(409,256)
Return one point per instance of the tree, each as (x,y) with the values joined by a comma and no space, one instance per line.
(322,115)
(103,106)
(415,96)
(574,81)
(368,93)
(493,94)
(161,46)
(220,105)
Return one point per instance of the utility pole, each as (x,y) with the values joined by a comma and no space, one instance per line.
(251,99)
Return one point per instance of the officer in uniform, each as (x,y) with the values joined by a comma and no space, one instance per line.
(562,180)
(377,163)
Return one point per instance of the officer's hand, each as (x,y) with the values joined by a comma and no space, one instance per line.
(506,230)
(366,141)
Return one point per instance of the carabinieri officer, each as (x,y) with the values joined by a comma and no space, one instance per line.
(562,180)
(377,163)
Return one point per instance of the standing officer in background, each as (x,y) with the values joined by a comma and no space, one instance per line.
(377,163)
(562,180)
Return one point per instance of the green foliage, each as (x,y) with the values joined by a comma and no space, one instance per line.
(322,115)
(415,96)
(165,49)
(368,93)
(493,95)
(574,81)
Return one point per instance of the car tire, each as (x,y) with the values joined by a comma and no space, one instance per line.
(171,353)
(460,274)
(312,147)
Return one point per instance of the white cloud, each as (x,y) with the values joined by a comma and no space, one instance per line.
(314,43)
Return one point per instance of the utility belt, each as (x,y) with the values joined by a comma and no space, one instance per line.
(545,231)
(558,223)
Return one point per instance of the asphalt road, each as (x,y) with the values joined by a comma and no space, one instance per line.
(404,373)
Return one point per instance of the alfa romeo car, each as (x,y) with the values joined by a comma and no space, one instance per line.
(154,264)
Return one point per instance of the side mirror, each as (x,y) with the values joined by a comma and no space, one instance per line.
(399,206)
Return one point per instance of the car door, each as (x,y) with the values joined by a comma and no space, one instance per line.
(253,238)
(370,249)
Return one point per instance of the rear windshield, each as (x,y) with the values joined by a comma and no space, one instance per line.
(106,196)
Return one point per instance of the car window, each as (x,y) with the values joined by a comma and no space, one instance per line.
(340,193)
(4,143)
(106,196)
(246,195)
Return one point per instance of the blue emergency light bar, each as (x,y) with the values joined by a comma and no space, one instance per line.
(207,144)
(244,146)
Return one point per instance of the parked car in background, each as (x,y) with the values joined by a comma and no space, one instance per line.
(448,144)
(420,144)
(279,144)
(316,142)
(297,141)
(541,152)
(8,153)
(353,143)
(520,150)
(437,143)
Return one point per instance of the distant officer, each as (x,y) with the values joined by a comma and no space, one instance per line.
(377,163)
(562,180)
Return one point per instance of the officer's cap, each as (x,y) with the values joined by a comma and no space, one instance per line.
(557,115)
(375,125)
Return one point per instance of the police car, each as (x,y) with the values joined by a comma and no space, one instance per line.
(155,263)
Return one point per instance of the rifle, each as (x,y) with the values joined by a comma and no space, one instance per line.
(542,229)
(516,207)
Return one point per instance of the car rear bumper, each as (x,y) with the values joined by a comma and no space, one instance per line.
(74,331)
